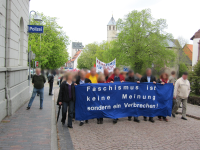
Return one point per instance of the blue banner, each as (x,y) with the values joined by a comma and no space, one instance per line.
(35,29)
(117,100)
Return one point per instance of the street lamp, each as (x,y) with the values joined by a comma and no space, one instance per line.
(36,18)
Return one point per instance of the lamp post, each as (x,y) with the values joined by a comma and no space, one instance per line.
(36,18)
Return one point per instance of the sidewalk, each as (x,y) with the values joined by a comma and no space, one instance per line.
(29,129)
(192,111)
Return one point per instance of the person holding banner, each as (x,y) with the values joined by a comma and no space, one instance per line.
(93,76)
(163,79)
(116,76)
(82,80)
(67,98)
(148,78)
(132,78)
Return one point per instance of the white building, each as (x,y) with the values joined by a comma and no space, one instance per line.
(196,47)
(14,90)
(111,30)
(77,48)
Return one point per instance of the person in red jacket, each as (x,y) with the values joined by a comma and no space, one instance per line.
(116,76)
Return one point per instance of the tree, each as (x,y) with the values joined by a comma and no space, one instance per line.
(90,52)
(51,46)
(142,42)
(182,68)
(194,79)
(183,60)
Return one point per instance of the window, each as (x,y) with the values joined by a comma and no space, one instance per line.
(109,27)
(113,27)
(21,40)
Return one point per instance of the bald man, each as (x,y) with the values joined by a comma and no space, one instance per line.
(38,81)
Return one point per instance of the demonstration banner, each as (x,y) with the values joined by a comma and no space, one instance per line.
(100,66)
(117,100)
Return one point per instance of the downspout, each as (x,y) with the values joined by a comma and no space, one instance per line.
(7,24)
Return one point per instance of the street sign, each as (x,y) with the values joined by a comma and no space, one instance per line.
(35,29)
(36,63)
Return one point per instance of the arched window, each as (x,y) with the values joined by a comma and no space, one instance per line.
(21,41)
(109,27)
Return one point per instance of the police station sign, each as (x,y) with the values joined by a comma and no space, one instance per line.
(35,29)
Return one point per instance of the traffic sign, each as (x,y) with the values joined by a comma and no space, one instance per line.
(35,29)
(36,63)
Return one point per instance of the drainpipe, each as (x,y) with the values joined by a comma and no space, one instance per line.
(7,24)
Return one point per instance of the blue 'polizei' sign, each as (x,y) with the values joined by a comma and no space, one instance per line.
(35,29)
(116,100)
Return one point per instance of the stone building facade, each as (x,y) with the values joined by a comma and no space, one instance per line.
(14,89)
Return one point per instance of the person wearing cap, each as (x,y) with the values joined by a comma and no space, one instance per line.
(132,78)
(181,93)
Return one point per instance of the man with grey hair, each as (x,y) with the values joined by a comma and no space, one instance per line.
(132,78)
(38,81)
(148,78)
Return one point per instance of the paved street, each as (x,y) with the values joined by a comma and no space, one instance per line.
(31,130)
(172,135)
(28,129)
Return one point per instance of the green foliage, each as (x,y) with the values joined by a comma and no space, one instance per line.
(90,52)
(182,68)
(141,42)
(51,48)
(194,79)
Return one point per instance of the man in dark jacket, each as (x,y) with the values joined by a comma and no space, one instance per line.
(38,81)
(132,78)
(148,78)
(67,99)
(50,81)
(83,80)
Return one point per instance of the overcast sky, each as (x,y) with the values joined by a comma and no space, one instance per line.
(86,20)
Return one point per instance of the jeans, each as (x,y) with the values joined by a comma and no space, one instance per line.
(69,104)
(50,87)
(35,91)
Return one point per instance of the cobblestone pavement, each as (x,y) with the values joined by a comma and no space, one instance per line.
(192,110)
(28,129)
(128,135)
(177,134)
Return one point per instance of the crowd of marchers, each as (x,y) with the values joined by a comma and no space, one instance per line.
(69,80)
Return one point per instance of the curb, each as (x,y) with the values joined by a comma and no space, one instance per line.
(191,116)
(54,141)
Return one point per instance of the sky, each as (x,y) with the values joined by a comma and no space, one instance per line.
(86,20)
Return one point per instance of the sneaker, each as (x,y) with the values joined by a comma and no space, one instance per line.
(160,119)
(28,108)
(129,118)
(183,118)
(173,115)
(41,107)
(81,123)
(98,121)
(86,121)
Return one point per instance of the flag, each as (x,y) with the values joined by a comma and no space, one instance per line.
(94,65)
